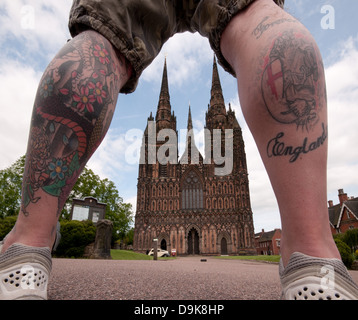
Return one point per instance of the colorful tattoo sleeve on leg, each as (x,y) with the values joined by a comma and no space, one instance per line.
(73,109)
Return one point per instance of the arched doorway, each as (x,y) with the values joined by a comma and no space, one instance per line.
(223,247)
(193,242)
(163,244)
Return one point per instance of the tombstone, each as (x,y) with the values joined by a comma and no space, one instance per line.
(102,244)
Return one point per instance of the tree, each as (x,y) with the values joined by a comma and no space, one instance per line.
(345,252)
(104,190)
(10,188)
(88,184)
(351,239)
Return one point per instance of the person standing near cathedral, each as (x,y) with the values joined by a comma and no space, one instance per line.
(281,86)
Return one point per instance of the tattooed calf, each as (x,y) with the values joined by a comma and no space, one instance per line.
(73,109)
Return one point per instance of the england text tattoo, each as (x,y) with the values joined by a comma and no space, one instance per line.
(277,147)
(291,85)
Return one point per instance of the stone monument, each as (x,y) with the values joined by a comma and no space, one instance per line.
(102,244)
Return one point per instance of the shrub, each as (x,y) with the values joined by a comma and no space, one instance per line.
(345,253)
(6,225)
(350,237)
(75,236)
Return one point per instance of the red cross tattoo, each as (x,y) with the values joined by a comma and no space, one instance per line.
(272,78)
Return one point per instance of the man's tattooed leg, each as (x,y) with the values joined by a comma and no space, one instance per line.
(73,109)
(283,98)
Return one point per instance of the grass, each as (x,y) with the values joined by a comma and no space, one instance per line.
(131,255)
(128,255)
(256,258)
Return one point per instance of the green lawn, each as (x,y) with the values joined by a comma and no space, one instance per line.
(131,255)
(257,258)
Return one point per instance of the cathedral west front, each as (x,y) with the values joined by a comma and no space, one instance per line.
(195,204)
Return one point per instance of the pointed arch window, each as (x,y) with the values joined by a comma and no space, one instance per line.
(192,192)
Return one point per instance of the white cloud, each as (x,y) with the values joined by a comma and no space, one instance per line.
(263,200)
(18,85)
(185,54)
(115,156)
(31,32)
(39,26)
(342,89)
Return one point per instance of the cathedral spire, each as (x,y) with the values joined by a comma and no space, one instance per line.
(163,116)
(164,91)
(190,140)
(217,103)
(190,122)
(191,153)
(215,84)
(216,113)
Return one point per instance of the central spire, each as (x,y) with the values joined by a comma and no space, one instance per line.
(190,122)
(191,153)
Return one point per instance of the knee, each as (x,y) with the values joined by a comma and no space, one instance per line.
(250,31)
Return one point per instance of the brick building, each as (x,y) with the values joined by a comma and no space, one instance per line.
(344,215)
(185,203)
(268,243)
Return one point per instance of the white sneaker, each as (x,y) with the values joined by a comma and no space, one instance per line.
(24,272)
(310,278)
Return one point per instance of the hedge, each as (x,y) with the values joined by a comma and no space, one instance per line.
(346,253)
(75,236)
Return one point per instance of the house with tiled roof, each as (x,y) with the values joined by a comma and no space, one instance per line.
(344,215)
(268,243)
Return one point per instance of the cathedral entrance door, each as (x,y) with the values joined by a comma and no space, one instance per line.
(223,247)
(193,242)
(163,245)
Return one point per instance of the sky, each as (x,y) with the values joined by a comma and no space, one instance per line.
(32,31)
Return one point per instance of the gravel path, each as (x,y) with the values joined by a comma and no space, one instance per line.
(185,278)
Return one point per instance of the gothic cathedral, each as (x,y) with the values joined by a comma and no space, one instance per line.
(191,204)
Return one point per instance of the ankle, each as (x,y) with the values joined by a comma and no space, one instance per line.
(320,249)
(28,240)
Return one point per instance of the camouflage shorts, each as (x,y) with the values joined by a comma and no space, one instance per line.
(139,28)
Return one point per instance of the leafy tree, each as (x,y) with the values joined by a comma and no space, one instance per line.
(345,252)
(10,188)
(6,224)
(351,239)
(129,236)
(104,190)
(88,184)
